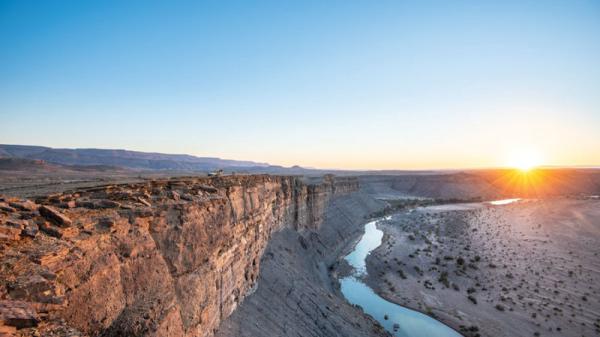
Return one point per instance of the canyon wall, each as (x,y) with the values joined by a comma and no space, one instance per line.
(297,294)
(161,258)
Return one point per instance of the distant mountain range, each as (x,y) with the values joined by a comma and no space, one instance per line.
(42,158)
(124,159)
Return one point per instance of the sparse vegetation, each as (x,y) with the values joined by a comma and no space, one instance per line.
(444,248)
(443,279)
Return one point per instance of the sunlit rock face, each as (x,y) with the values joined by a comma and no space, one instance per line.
(162,258)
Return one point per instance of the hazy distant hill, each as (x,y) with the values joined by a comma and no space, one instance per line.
(122,158)
(14,164)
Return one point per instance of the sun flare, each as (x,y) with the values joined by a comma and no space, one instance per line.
(525,160)
(525,166)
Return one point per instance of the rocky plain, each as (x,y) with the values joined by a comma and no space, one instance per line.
(259,255)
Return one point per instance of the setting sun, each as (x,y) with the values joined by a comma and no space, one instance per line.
(525,160)
(525,166)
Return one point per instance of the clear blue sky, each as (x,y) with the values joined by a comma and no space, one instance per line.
(355,84)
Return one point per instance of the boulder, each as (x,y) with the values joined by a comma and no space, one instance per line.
(33,288)
(27,215)
(207,188)
(26,205)
(55,198)
(15,223)
(51,230)
(18,314)
(57,232)
(31,230)
(187,197)
(68,204)
(121,195)
(6,208)
(85,204)
(55,216)
(105,203)
(106,222)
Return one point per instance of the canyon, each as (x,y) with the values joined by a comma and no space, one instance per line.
(171,257)
(235,255)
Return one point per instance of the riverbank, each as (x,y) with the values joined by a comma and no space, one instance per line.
(524,269)
(398,320)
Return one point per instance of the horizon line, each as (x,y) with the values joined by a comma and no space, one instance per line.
(474,168)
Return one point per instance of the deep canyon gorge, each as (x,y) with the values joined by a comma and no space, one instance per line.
(168,257)
(238,255)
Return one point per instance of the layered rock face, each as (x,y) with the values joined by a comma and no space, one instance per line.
(162,258)
(296,293)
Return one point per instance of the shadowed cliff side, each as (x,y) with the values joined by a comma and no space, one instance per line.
(295,295)
(160,258)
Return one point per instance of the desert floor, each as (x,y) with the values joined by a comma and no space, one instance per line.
(530,268)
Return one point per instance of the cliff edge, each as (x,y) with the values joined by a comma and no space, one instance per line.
(171,257)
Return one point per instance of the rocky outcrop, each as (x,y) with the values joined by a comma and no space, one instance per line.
(162,258)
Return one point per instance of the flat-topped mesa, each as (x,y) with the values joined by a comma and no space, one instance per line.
(164,257)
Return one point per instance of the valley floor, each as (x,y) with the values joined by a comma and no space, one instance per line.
(531,268)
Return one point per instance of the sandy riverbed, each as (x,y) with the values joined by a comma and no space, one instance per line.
(524,269)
